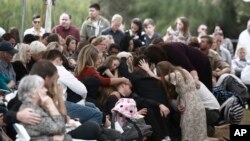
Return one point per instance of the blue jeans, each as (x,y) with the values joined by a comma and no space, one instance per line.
(84,113)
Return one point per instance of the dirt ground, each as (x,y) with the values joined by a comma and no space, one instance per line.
(224,130)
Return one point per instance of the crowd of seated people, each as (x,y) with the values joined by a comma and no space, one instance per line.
(76,76)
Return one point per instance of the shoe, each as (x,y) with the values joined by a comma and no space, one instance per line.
(112,134)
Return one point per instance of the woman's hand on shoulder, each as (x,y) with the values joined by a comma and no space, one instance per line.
(144,65)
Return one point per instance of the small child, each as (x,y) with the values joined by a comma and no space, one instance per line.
(128,121)
(110,67)
(238,64)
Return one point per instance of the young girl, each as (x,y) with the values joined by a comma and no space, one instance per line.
(179,82)
(182,29)
(69,50)
(110,67)
(134,34)
(71,44)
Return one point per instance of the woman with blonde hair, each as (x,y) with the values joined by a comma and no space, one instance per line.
(110,66)
(86,67)
(37,50)
(20,61)
(109,69)
(100,43)
(87,60)
(86,72)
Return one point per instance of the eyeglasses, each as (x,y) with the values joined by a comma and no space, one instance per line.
(36,22)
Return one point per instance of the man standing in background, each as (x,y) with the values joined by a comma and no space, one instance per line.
(65,27)
(95,23)
(114,29)
(36,30)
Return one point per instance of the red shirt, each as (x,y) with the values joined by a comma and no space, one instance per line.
(91,71)
(65,32)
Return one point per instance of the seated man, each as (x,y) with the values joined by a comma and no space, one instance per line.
(84,113)
(7,52)
(6,83)
(218,65)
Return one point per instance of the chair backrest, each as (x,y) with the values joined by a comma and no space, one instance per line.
(22,134)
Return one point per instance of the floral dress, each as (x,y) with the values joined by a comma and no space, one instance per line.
(193,119)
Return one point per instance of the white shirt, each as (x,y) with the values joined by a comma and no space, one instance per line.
(68,80)
(34,32)
(244,41)
(207,98)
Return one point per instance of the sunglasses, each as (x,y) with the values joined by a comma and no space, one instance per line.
(36,22)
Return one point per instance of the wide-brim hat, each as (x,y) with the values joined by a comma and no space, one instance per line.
(126,107)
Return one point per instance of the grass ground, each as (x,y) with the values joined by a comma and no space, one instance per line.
(224,131)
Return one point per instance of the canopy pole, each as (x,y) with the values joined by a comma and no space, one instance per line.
(23,18)
(48,17)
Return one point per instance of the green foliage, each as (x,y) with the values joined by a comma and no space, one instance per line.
(231,14)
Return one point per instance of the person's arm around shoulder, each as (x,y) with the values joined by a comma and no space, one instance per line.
(27,116)
(119,80)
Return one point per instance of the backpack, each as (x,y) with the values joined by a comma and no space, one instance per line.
(231,108)
(221,94)
(233,84)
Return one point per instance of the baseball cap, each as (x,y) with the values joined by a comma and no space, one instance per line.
(7,47)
